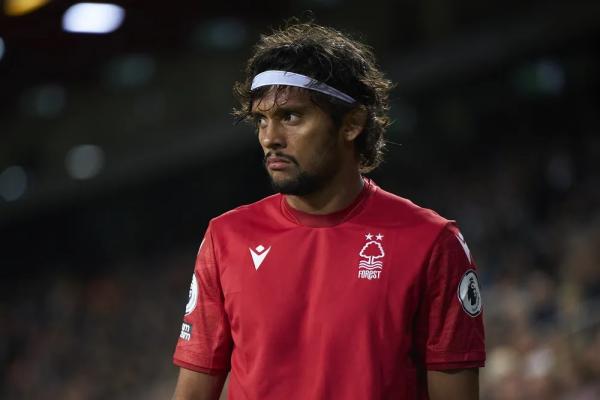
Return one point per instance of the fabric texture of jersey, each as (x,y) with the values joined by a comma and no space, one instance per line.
(353,305)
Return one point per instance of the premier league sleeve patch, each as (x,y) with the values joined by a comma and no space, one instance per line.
(469,293)
(193,296)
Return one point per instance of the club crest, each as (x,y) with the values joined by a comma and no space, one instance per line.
(372,253)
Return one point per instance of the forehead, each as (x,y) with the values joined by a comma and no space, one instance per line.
(279,96)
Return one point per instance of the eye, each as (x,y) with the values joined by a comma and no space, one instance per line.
(291,118)
(260,121)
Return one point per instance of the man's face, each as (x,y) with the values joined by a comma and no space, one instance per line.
(301,144)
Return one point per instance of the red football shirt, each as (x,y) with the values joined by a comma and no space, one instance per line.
(353,305)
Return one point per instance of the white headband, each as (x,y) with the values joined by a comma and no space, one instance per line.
(267,78)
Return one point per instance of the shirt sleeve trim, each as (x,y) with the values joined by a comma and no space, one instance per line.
(451,357)
(198,368)
(455,365)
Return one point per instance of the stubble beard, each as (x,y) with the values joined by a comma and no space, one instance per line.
(304,183)
(301,185)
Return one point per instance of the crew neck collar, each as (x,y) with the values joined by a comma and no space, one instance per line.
(325,220)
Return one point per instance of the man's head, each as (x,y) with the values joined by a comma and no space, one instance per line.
(324,56)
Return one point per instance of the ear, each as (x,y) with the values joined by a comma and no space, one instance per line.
(353,123)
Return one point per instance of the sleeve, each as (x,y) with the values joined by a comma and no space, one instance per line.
(450,320)
(205,343)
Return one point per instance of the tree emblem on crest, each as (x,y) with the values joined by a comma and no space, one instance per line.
(372,251)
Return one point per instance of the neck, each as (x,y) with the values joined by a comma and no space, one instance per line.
(336,196)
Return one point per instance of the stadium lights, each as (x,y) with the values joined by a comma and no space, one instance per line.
(93,18)
(16,8)
(13,183)
(44,101)
(84,161)
(221,34)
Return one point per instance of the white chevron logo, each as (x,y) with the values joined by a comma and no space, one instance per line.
(258,255)
(463,243)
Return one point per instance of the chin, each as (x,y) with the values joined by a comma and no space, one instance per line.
(301,185)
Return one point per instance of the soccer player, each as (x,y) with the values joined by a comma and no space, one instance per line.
(332,289)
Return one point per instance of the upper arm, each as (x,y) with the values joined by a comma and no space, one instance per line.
(460,384)
(193,385)
(449,327)
(205,342)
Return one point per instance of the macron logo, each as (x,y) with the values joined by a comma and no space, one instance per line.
(258,255)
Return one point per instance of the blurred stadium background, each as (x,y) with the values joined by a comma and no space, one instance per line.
(116,148)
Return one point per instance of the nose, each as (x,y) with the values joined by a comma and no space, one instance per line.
(272,136)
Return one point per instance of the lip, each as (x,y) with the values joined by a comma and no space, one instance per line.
(277,163)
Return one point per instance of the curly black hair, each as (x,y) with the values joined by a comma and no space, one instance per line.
(328,56)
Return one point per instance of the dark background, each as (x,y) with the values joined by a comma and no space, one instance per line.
(496,125)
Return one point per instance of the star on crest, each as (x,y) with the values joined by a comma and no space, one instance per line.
(368,236)
(379,236)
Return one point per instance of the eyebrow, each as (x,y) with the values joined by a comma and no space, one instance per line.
(280,110)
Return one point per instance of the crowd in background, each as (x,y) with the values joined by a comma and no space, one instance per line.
(534,231)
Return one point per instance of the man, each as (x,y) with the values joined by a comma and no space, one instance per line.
(333,288)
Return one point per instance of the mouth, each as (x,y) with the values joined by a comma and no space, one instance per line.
(277,163)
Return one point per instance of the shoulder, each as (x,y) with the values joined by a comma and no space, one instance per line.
(262,210)
(389,208)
